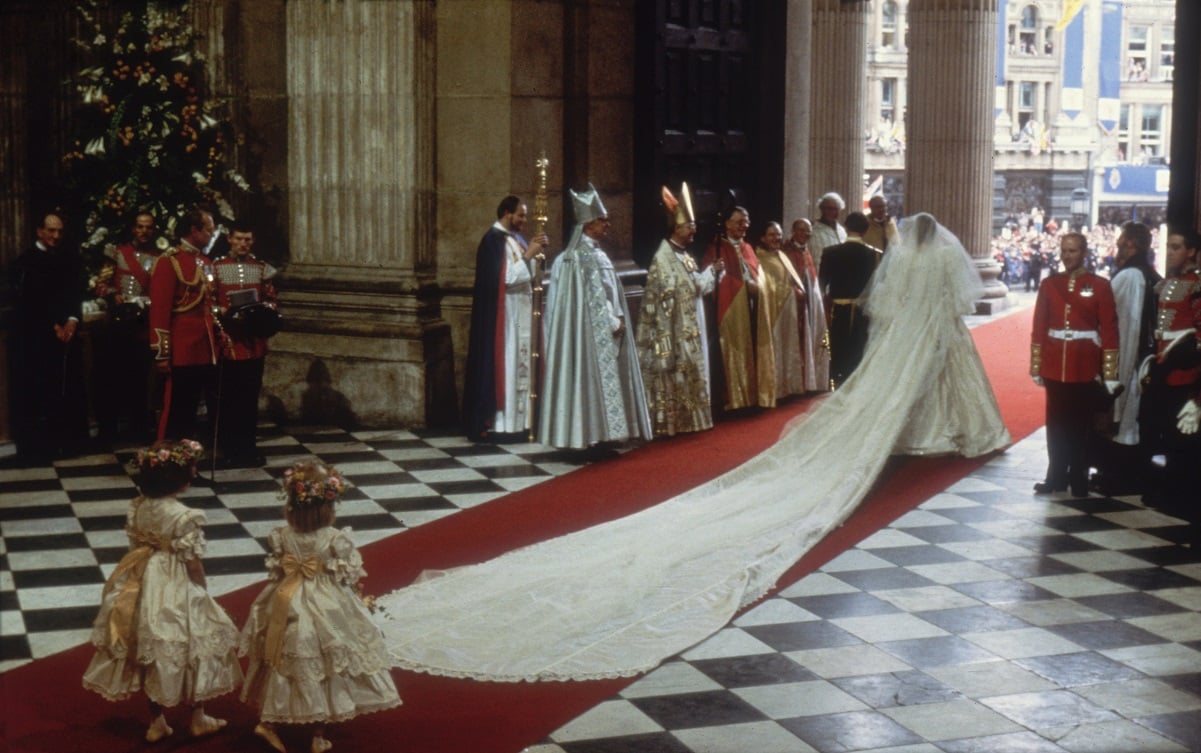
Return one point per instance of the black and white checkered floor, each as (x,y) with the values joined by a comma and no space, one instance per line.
(986,620)
(63,527)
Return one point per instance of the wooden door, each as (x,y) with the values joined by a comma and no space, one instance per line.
(710,111)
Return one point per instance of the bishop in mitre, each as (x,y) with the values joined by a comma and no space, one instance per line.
(592,391)
(672,346)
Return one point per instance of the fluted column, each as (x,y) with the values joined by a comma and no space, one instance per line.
(359,296)
(798,59)
(949,154)
(838,75)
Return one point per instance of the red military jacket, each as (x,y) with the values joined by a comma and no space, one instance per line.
(244,274)
(131,273)
(1179,313)
(1075,333)
(181,308)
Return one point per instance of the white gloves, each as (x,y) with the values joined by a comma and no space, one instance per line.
(1189,417)
(1038,381)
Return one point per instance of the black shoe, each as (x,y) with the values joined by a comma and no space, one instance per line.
(1046,487)
(1079,491)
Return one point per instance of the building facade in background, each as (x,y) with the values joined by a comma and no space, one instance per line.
(1083,109)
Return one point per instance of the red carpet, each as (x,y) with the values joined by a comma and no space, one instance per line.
(46,710)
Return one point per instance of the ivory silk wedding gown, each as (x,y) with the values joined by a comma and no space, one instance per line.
(616,599)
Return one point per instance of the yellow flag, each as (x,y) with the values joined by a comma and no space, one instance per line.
(1070,9)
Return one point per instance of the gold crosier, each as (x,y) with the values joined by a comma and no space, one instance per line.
(540,220)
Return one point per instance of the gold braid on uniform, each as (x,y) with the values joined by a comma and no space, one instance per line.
(1036,359)
(1109,365)
(198,282)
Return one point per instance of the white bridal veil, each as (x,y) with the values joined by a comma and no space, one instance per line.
(616,599)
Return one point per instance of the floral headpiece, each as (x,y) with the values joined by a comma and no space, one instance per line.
(313,484)
(184,453)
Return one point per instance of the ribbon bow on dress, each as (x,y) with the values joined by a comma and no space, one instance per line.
(131,567)
(295,571)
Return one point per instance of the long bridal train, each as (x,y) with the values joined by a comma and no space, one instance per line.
(616,599)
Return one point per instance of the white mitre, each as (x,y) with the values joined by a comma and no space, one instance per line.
(587,205)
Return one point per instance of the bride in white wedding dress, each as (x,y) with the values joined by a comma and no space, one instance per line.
(616,599)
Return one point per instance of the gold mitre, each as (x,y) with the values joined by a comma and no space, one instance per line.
(678,211)
(587,205)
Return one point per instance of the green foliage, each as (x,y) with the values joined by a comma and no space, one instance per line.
(149,139)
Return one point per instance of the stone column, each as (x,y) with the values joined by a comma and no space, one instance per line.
(364,339)
(798,57)
(949,155)
(838,76)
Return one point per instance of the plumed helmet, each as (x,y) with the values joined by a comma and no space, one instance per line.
(587,205)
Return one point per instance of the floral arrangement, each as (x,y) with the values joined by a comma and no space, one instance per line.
(312,484)
(184,453)
(149,140)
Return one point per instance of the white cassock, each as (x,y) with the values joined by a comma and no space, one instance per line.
(514,415)
(1129,288)
(823,237)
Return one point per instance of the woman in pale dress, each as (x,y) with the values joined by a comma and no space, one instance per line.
(315,654)
(158,630)
(613,601)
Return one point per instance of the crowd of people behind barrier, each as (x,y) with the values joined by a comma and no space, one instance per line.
(1028,250)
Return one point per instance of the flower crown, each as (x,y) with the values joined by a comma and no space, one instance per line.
(185,453)
(312,484)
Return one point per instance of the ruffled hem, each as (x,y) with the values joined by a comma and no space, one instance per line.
(330,719)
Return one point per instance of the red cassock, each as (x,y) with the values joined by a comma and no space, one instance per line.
(1179,314)
(233,275)
(1075,332)
(181,316)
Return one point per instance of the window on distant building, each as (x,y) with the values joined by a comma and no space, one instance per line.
(1028,35)
(1167,55)
(1124,134)
(1136,53)
(888,24)
(888,99)
(1151,136)
(1025,102)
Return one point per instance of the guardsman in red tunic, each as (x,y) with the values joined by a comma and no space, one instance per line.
(123,360)
(1073,343)
(244,290)
(1170,408)
(183,336)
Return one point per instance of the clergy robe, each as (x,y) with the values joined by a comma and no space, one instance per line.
(743,333)
(592,388)
(815,343)
(823,237)
(496,385)
(778,297)
(672,347)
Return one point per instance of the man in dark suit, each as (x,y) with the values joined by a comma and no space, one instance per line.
(845,271)
(44,356)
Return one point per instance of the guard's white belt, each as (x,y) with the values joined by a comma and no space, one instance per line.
(1172,334)
(1076,334)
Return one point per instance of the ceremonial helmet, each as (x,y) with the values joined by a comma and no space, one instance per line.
(587,205)
(678,211)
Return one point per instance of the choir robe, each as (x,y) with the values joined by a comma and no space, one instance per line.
(779,299)
(815,343)
(1134,297)
(743,333)
(672,348)
(496,385)
(592,387)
